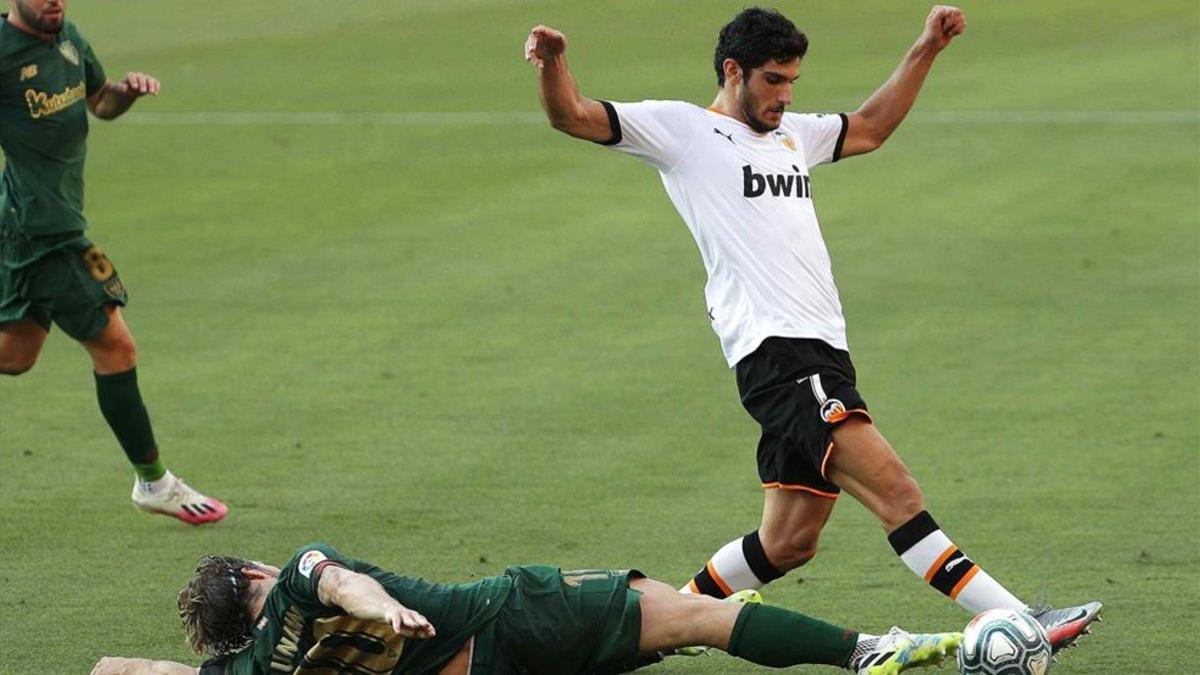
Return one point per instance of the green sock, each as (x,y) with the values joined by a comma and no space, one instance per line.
(150,472)
(776,637)
(122,407)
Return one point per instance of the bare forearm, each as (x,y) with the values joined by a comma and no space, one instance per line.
(568,110)
(889,105)
(559,93)
(122,666)
(111,102)
(878,117)
(363,597)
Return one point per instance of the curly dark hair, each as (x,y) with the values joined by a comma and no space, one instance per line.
(756,36)
(214,606)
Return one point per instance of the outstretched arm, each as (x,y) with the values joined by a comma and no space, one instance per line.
(363,597)
(114,98)
(878,117)
(115,665)
(568,111)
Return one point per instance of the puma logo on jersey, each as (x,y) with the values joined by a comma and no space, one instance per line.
(727,136)
(780,184)
(28,72)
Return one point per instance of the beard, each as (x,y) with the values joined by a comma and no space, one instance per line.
(753,121)
(39,23)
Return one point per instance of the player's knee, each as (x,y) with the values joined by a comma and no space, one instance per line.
(118,354)
(789,551)
(904,500)
(797,555)
(127,351)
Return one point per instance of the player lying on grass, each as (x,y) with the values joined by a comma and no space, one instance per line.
(326,612)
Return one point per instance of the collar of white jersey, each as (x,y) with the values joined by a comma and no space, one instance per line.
(766,138)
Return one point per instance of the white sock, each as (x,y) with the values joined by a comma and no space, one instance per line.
(155,485)
(930,554)
(737,566)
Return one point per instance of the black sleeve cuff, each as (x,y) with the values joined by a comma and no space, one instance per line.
(614,123)
(837,148)
(320,568)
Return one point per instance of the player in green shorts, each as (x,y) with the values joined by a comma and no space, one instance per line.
(324,612)
(49,271)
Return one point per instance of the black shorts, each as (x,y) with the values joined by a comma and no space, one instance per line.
(798,390)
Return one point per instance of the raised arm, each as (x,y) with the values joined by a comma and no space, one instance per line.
(114,98)
(567,110)
(115,665)
(878,117)
(363,597)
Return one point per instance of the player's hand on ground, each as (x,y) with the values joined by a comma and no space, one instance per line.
(136,85)
(942,25)
(409,623)
(544,43)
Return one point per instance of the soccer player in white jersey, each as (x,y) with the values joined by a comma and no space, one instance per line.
(738,173)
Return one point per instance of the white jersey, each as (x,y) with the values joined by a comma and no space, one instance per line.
(747,198)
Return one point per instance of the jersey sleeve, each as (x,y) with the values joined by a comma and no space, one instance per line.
(298,578)
(659,132)
(93,73)
(820,134)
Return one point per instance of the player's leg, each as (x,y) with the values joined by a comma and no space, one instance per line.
(24,319)
(20,344)
(778,388)
(792,521)
(114,360)
(773,636)
(87,299)
(864,464)
(114,363)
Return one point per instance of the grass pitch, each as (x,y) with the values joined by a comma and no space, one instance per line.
(445,346)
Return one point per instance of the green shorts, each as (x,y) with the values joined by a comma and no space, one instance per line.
(68,285)
(559,622)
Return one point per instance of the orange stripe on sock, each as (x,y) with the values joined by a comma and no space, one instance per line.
(937,564)
(693,587)
(712,572)
(962,583)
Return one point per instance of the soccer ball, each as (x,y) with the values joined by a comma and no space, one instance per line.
(1004,642)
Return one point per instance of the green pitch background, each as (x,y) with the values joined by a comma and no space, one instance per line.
(447,347)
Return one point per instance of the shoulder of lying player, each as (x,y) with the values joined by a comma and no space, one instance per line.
(314,557)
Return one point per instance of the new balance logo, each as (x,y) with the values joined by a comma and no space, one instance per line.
(780,184)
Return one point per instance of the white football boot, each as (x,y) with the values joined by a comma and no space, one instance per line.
(171,496)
